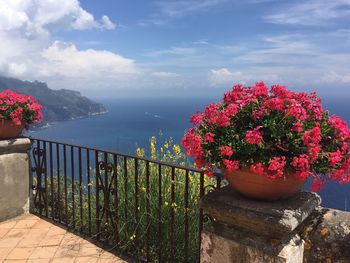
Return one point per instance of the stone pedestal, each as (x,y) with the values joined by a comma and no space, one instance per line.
(14,177)
(249,231)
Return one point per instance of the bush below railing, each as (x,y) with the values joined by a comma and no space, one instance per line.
(139,206)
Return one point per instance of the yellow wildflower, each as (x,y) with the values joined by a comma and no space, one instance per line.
(177,149)
(153,142)
(140,152)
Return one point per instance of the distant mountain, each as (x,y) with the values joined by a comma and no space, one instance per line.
(58,105)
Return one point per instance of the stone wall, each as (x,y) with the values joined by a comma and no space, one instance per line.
(294,230)
(327,236)
(14,177)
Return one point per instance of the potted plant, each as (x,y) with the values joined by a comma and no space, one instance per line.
(267,143)
(16,112)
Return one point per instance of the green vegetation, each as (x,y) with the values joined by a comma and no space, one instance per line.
(138,209)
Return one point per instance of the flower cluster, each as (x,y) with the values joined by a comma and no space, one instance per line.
(19,108)
(271,132)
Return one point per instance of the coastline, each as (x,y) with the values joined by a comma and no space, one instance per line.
(52,123)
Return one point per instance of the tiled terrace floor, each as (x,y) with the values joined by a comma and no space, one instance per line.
(31,239)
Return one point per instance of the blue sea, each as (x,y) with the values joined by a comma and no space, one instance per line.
(130,122)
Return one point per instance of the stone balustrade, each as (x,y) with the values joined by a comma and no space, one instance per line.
(293,230)
(14,177)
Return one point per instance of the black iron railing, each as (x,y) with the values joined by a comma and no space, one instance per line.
(143,207)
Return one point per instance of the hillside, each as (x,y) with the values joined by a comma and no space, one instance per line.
(58,105)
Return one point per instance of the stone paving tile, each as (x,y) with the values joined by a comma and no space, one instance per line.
(25,223)
(43,252)
(63,260)
(43,260)
(9,241)
(17,232)
(3,232)
(51,240)
(31,239)
(4,251)
(86,260)
(20,253)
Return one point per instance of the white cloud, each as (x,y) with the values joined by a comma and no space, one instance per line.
(66,60)
(175,51)
(168,10)
(107,23)
(181,8)
(62,63)
(35,17)
(224,77)
(311,12)
(163,74)
(334,77)
(28,48)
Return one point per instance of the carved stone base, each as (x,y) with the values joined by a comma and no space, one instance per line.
(14,178)
(250,231)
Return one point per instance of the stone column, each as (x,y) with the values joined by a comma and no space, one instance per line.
(248,231)
(14,177)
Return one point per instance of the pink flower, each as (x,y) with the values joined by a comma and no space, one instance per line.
(19,108)
(279,121)
(317,184)
(297,127)
(210,113)
(302,166)
(223,120)
(260,113)
(302,175)
(335,158)
(231,166)
(342,174)
(280,91)
(260,90)
(313,152)
(274,104)
(193,144)
(296,110)
(237,93)
(226,150)
(341,127)
(209,137)
(277,165)
(254,136)
(232,109)
(312,136)
(257,168)
(197,118)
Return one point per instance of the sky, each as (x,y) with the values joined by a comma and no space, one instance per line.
(112,48)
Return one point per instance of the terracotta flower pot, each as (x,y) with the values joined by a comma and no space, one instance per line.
(259,187)
(9,130)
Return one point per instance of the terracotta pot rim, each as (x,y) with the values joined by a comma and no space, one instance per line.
(10,130)
(259,187)
(287,174)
